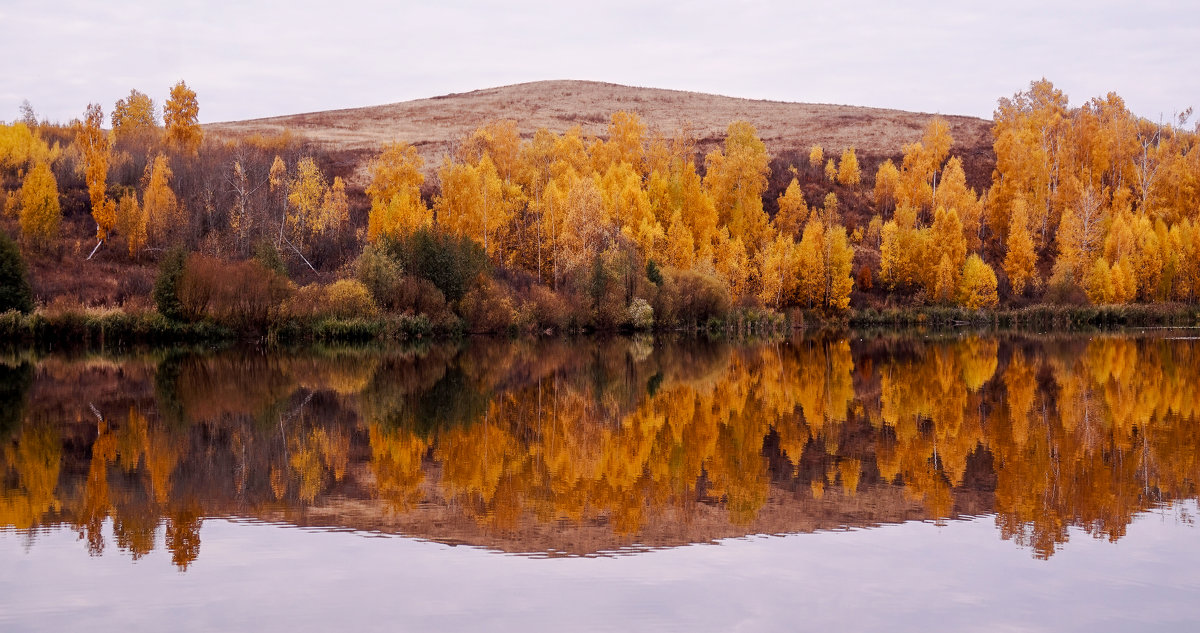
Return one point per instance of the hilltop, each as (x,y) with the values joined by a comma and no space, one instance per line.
(434,125)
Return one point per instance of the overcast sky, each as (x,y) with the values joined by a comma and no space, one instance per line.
(256,58)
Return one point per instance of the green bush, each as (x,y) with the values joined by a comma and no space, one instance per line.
(166,287)
(15,292)
(269,258)
(452,263)
(382,275)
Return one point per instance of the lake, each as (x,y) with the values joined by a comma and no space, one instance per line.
(851,480)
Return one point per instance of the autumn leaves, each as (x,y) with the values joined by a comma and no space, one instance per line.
(553,205)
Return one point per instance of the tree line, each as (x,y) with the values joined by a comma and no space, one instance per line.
(1086,204)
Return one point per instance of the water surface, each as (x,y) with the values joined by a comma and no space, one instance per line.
(852,480)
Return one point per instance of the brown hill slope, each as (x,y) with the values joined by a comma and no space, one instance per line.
(435,125)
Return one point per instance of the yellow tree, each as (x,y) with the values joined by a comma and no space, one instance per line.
(775,270)
(131,222)
(681,247)
(395,192)
(847,172)
(1028,133)
(134,117)
(500,140)
(978,284)
(21,146)
(946,240)
(240,220)
(630,207)
(626,144)
(831,171)
(1081,232)
(887,179)
(94,144)
(181,115)
(41,214)
(902,248)
(164,214)
(918,171)
(829,210)
(335,209)
(838,260)
(946,281)
(1098,283)
(810,265)
(731,261)
(306,192)
(736,180)
(277,179)
(793,211)
(587,230)
(816,156)
(953,193)
(1020,263)
(475,202)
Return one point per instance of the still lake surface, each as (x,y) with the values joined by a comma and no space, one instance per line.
(832,481)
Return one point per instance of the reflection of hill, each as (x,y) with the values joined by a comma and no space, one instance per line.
(588,446)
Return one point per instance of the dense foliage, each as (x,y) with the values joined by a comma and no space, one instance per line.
(553,230)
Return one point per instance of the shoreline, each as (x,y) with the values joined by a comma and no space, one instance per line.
(103,327)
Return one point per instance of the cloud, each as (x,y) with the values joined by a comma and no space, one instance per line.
(259,58)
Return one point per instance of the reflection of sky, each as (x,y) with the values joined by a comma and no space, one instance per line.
(914,576)
(259,58)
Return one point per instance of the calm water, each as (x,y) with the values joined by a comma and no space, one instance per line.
(839,481)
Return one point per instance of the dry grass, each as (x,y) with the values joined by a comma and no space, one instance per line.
(435,125)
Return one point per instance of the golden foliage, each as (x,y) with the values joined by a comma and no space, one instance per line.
(395,193)
(164,215)
(848,173)
(96,149)
(41,214)
(181,116)
(978,285)
(131,222)
(793,211)
(134,116)
(1020,262)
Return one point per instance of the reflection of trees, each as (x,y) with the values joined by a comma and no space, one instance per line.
(14,386)
(1053,433)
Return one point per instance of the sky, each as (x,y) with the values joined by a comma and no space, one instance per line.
(257,58)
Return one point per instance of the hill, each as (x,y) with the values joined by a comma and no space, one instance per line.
(434,125)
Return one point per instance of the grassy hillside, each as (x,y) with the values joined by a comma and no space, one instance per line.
(435,125)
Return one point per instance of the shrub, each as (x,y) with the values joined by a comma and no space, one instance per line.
(978,284)
(242,294)
(349,298)
(452,264)
(308,302)
(269,258)
(641,315)
(15,292)
(547,308)
(701,297)
(420,296)
(166,287)
(487,308)
(381,274)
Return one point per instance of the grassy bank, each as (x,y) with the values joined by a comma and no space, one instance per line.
(109,328)
(114,328)
(1041,317)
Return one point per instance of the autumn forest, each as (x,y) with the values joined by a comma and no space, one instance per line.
(537,230)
